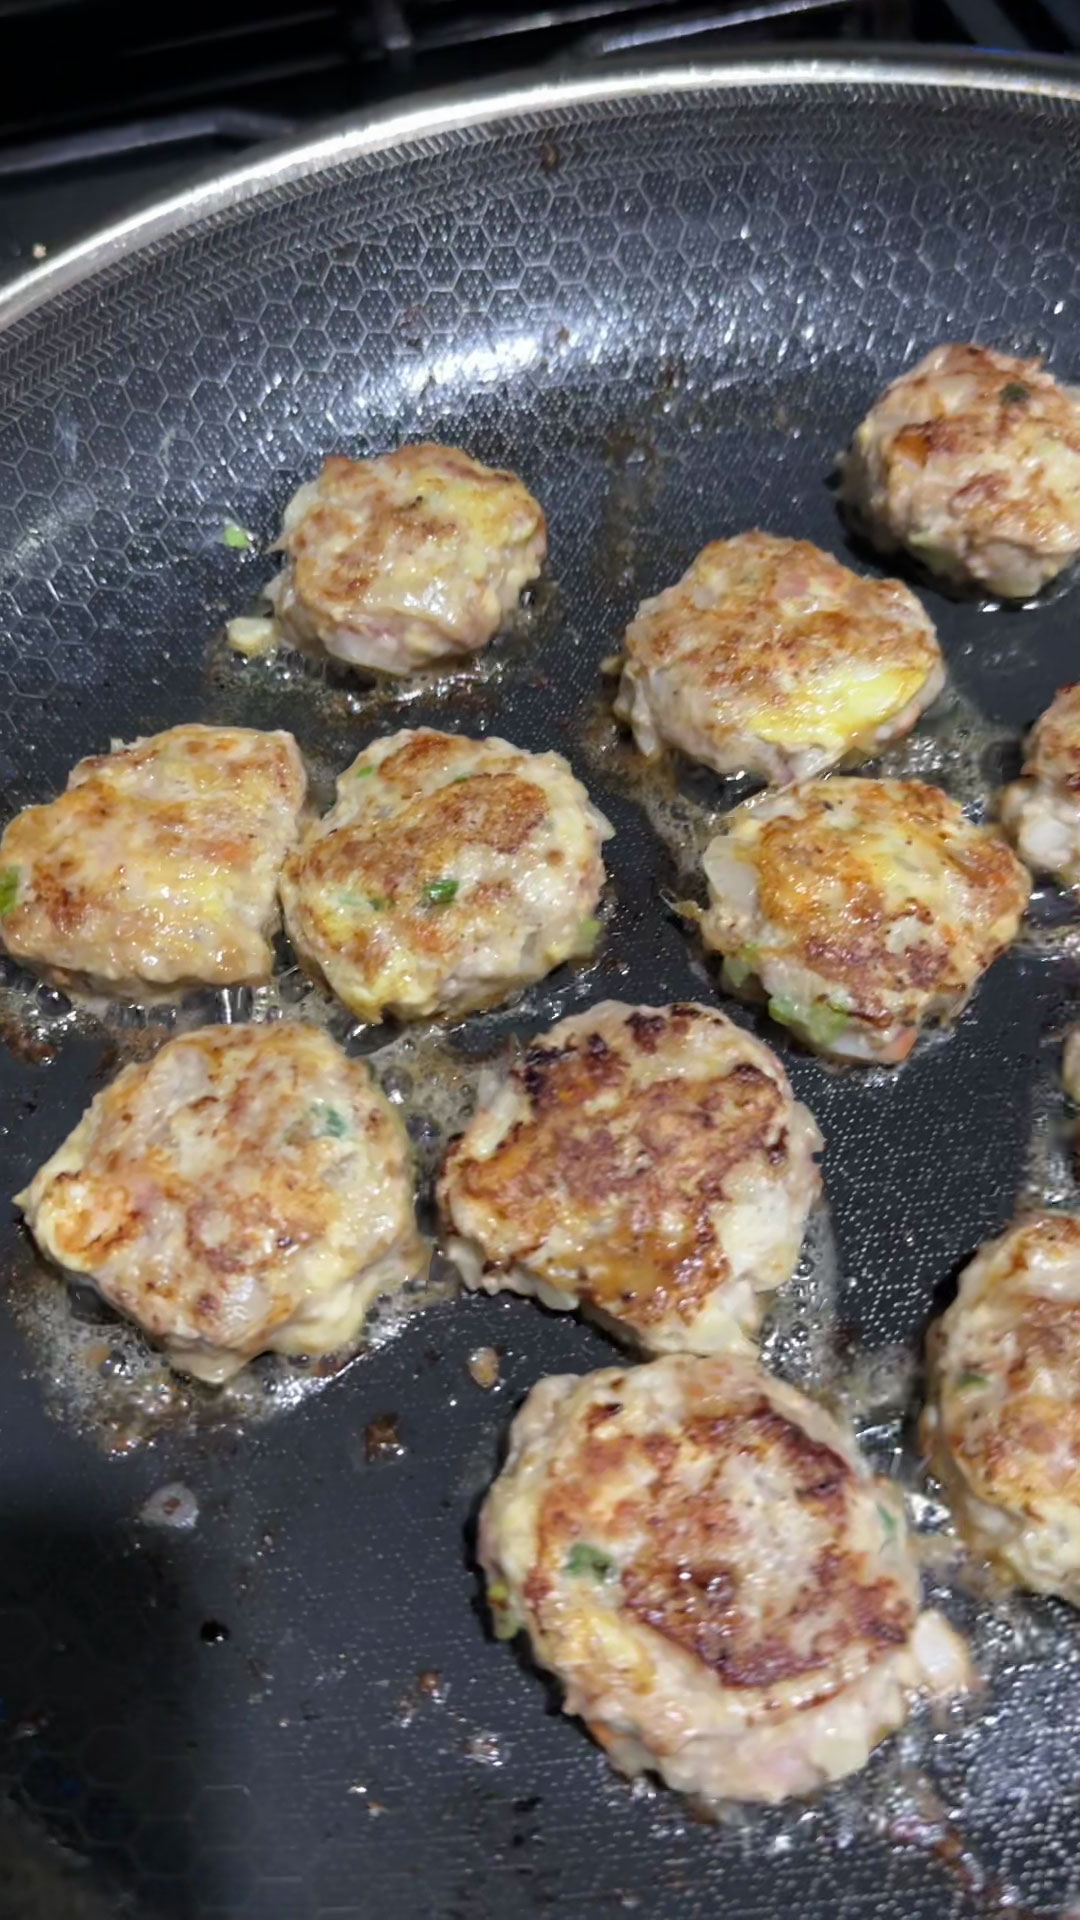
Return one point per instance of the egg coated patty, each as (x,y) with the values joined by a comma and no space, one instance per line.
(723,1588)
(1042,811)
(972,462)
(860,909)
(449,873)
(249,1189)
(770,657)
(416,556)
(648,1163)
(157,868)
(1002,1427)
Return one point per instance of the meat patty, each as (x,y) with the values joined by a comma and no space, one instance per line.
(971,461)
(769,657)
(416,556)
(860,909)
(1042,811)
(648,1163)
(724,1589)
(1071,1064)
(247,1190)
(449,873)
(157,868)
(1002,1424)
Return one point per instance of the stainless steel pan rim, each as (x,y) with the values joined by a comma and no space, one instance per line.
(456,109)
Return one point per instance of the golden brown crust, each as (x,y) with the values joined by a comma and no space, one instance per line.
(492,812)
(672,1136)
(1005,1366)
(744,647)
(1036,1441)
(1041,810)
(329,574)
(770,656)
(687,1582)
(232,1186)
(441,855)
(805,867)
(988,418)
(410,557)
(158,865)
(690,1578)
(722,1586)
(618,1156)
(972,459)
(1053,746)
(876,898)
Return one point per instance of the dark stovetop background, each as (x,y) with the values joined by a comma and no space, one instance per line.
(107,105)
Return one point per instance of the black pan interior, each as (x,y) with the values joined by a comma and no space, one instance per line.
(667,311)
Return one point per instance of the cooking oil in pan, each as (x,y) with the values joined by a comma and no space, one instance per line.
(954,746)
(100,1371)
(683,807)
(1049,1176)
(258,691)
(102,1374)
(799,1336)
(108,1378)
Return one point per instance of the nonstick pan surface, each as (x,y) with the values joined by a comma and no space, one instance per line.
(665,300)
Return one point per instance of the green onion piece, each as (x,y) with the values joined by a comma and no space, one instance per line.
(1013,394)
(969,1378)
(9,888)
(377,902)
(820,1021)
(738,968)
(586,1560)
(503,1619)
(440,893)
(589,932)
(329,1123)
(238,537)
(788,1012)
(363,773)
(824,1022)
(889,1521)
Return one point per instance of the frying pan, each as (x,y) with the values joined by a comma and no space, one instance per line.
(666,299)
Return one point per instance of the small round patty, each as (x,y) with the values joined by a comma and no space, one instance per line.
(724,1589)
(449,873)
(860,909)
(1002,1426)
(650,1164)
(157,869)
(247,1190)
(769,657)
(1042,810)
(416,556)
(971,461)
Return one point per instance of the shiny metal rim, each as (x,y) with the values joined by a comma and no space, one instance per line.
(461,108)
